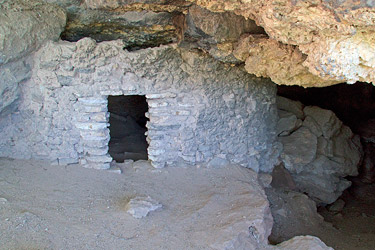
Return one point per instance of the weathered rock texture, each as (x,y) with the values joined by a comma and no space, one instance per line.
(357,113)
(138,29)
(282,63)
(199,109)
(318,149)
(337,37)
(24,27)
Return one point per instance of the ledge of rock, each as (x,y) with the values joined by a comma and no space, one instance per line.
(337,37)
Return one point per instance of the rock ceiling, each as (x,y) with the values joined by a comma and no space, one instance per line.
(309,43)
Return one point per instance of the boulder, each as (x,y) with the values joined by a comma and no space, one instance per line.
(290,106)
(303,242)
(141,206)
(11,75)
(299,149)
(320,152)
(24,27)
(293,213)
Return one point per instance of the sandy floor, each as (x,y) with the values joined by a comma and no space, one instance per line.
(55,207)
(353,228)
(356,223)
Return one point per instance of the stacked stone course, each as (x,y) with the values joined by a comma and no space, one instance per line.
(200,110)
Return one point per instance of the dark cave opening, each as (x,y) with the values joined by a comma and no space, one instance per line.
(128,127)
(354,104)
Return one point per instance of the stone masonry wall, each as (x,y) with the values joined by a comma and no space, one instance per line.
(200,110)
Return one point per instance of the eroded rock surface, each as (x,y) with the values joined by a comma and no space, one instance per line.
(318,150)
(24,27)
(337,37)
(309,43)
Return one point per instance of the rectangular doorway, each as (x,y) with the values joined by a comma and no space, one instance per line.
(127,127)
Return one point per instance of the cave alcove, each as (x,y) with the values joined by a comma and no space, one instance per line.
(353,213)
(127,127)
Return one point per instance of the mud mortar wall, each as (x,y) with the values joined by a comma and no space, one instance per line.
(199,109)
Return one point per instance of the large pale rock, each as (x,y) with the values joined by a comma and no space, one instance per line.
(320,152)
(25,25)
(303,242)
(337,37)
(293,213)
(10,75)
(282,63)
(225,27)
(290,106)
(141,206)
(349,58)
(299,149)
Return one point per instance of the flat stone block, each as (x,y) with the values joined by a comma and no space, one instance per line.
(95,138)
(92,109)
(99,133)
(182,112)
(66,161)
(160,96)
(97,151)
(99,158)
(93,101)
(95,144)
(156,104)
(92,125)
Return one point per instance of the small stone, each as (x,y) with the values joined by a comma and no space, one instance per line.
(264,179)
(140,206)
(338,206)
(115,169)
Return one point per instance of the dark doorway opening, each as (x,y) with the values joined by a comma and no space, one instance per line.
(127,127)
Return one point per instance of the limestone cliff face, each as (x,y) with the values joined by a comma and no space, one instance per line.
(337,37)
(314,43)
(24,27)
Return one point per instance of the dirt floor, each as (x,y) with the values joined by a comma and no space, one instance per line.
(356,222)
(352,228)
(57,207)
